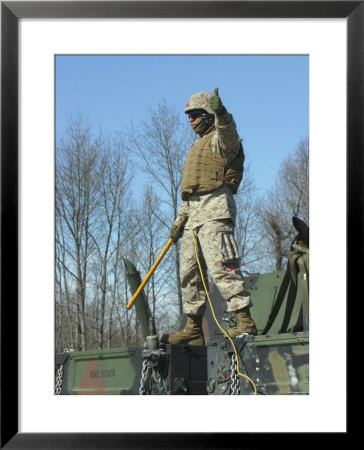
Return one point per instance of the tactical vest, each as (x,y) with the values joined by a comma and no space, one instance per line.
(205,171)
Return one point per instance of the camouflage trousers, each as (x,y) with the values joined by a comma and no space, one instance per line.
(218,255)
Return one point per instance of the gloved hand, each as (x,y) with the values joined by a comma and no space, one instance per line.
(175,233)
(216,103)
(176,230)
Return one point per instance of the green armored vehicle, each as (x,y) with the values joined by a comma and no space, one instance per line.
(274,362)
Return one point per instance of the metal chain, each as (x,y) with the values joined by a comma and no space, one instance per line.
(235,384)
(162,386)
(147,370)
(59,379)
(144,377)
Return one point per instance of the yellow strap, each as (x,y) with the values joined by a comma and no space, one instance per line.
(300,256)
(303,266)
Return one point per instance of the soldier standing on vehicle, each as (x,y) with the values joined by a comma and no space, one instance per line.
(211,175)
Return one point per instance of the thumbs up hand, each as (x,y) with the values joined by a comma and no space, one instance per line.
(216,103)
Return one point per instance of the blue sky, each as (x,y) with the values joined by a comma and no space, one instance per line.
(267,95)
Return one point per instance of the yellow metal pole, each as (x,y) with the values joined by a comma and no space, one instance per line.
(150,273)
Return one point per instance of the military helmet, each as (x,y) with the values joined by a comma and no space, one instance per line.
(201,100)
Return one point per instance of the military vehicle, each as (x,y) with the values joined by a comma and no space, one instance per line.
(274,362)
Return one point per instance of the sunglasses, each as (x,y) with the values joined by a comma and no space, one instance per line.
(195,114)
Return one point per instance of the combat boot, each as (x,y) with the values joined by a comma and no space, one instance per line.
(244,324)
(192,333)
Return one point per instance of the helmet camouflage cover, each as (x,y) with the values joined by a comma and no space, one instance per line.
(201,100)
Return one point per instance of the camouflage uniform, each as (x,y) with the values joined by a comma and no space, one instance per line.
(212,219)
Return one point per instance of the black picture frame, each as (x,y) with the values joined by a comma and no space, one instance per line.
(11,12)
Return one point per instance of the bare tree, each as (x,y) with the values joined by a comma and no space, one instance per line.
(247,223)
(295,181)
(97,225)
(113,187)
(289,197)
(159,286)
(65,333)
(118,282)
(76,202)
(161,144)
